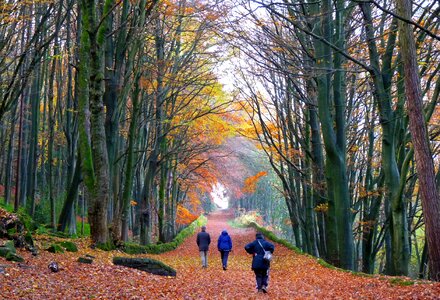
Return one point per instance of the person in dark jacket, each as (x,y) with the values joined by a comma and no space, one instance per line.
(203,241)
(260,266)
(224,245)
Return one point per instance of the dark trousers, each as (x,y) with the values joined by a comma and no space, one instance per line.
(224,255)
(262,277)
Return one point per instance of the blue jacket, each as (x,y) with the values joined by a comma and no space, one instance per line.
(258,263)
(224,242)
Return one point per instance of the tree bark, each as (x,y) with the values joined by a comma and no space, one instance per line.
(424,162)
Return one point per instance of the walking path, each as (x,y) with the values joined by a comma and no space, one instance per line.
(292,276)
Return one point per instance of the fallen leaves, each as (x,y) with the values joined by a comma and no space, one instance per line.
(292,276)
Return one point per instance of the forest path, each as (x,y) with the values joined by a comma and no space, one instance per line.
(293,276)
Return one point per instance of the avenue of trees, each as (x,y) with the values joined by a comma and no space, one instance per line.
(342,97)
(112,112)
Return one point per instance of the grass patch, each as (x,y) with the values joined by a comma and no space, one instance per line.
(133,248)
(270,235)
(236,224)
(401,281)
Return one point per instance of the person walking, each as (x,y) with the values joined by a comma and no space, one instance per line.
(260,266)
(224,245)
(203,241)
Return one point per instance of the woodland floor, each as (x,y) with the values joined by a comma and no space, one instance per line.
(292,276)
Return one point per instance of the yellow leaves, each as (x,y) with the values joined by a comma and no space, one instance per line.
(323,208)
(353,148)
(250,183)
(363,193)
(133,203)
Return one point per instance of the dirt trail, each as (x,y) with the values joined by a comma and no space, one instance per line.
(292,276)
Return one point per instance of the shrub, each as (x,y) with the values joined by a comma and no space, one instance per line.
(132,248)
(86,229)
(26,219)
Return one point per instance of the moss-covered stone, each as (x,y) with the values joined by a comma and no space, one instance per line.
(10,246)
(109,246)
(4,251)
(69,246)
(55,248)
(145,264)
(14,257)
(85,260)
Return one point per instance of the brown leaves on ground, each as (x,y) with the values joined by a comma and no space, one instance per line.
(292,276)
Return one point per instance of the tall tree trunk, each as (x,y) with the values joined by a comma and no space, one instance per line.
(50,151)
(33,144)
(91,89)
(419,134)
(65,219)
(397,214)
(339,235)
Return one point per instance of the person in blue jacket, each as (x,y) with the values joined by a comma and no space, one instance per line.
(224,245)
(260,266)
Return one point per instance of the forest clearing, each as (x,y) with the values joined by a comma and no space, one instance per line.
(292,276)
(123,123)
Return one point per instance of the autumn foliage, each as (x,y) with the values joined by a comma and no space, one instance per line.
(184,216)
(250,183)
(292,276)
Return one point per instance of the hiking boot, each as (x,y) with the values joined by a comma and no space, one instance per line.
(264,289)
(224,268)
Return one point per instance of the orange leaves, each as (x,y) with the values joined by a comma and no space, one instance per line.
(250,183)
(292,276)
(184,216)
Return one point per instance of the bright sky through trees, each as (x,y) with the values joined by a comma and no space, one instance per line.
(219,195)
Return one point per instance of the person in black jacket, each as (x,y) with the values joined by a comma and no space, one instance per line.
(203,241)
(260,266)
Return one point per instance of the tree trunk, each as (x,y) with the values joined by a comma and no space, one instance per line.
(419,134)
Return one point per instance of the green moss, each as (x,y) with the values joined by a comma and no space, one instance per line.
(132,248)
(401,281)
(28,239)
(326,264)
(86,229)
(85,260)
(55,248)
(14,257)
(12,231)
(235,224)
(10,245)
(270,235)
(69,246)
(26,219)
(109,246)
(4,251)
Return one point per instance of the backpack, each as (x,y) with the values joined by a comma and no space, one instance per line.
(267,254)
